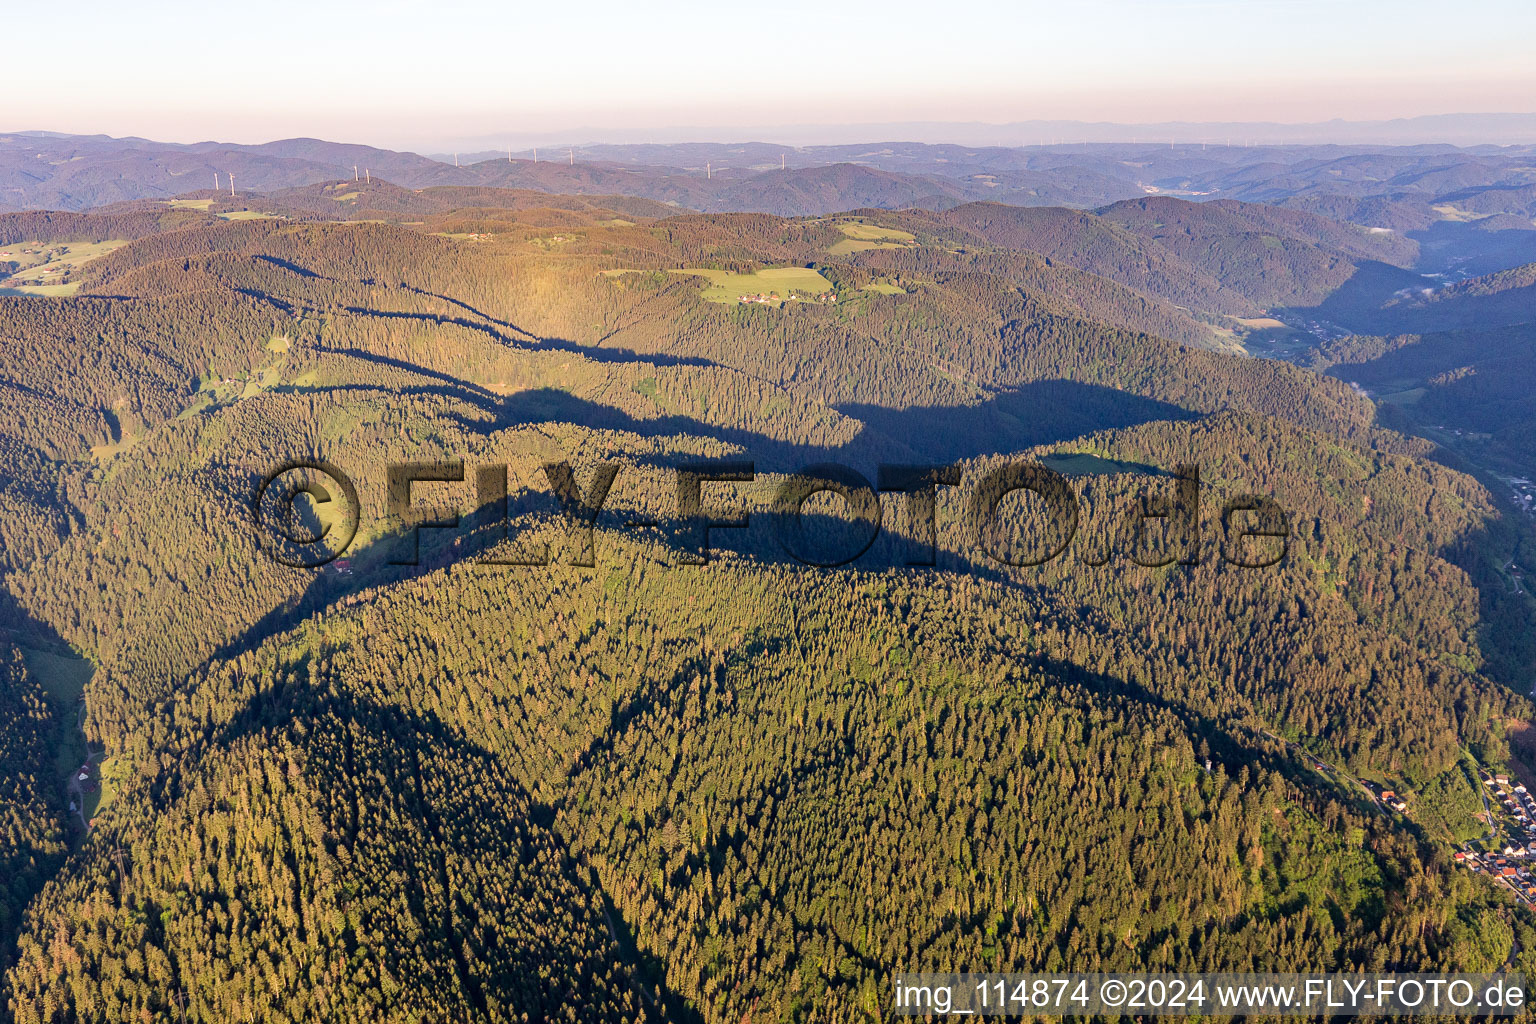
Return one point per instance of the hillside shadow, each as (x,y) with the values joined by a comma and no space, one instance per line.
(1458,248)
(521,340)
(1357,303)
(1506,631)
(29,860)
(488,818)
(1038,413)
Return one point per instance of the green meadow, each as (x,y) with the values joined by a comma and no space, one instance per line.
(727,287)
(46,263)
(861,237)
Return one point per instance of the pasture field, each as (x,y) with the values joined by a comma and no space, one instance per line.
(884,288)
(62,677)
(1269,338)
(727,287)
(874,232)
(104,453)
(248,215)
(45,268)
(1455,213)
(56,291)
(1406,397)
(189,204)
(861,237)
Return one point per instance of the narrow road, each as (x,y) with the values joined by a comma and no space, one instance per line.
(1331,770)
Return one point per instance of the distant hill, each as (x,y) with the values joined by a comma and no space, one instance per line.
(1503,298)
(348,200)
(1401,188)
(79,172)
(821,190)
(1271,256)
(1236,259)
(1100,246)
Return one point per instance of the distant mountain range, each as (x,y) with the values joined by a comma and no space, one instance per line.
(1394,188)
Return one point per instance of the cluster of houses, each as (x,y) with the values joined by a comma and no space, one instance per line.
(770,298)
(1508,867)
(1523,494)
(1517,801)
(1511,861)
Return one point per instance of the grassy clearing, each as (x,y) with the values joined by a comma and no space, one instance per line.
(56,291)
(113,774)
(47,268)
(103,453)
(1460,216)
(727,287)
(874,232)
(884,288)
(862,237)
(1269,338)
(248,215)
(189,204)
(1408,397)
(62,677)
(267,378)
(1087,464)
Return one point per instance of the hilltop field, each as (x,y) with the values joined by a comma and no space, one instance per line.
(778,284)
(48,269)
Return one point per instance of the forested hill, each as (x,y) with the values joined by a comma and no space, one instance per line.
(639,789)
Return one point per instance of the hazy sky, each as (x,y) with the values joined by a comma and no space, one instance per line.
(419,74)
